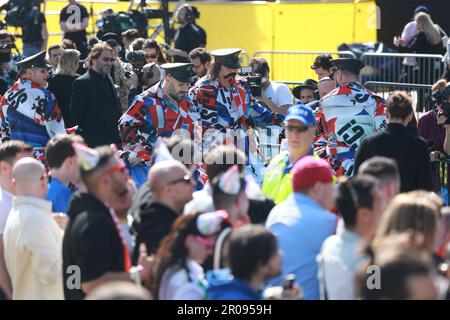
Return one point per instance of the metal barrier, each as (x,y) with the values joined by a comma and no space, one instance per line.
(402,68)
(295,65)
(419,92)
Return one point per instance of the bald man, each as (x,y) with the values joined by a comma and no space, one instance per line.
(32,238)
(172,186)
(325,86)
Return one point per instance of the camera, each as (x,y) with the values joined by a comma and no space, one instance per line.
(254,81)
(137,60)
(440,98)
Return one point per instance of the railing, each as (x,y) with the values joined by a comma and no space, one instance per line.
(419,92)
(295,65)
(401,67)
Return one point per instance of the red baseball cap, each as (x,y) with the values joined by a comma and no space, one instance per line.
(309,170)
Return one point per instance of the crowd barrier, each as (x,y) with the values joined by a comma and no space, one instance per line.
(295,65)
(420,93)
(402,67)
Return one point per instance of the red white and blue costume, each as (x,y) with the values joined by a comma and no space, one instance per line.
(153,114)
(31,114)
(227,111)
(346,116)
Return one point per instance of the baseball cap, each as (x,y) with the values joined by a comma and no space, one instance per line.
(421,9)
(302,113)
(310,170)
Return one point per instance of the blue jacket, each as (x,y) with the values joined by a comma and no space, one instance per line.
(222,286)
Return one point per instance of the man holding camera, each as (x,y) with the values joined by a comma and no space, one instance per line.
(274,95)
(226,105)
(29,112)
(158,111)
(346,116)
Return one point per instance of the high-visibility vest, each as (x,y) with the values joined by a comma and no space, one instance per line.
(277,184)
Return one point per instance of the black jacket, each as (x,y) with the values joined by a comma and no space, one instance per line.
(61,86)
(410,152)
(96,108)
(155,223)
(91,242)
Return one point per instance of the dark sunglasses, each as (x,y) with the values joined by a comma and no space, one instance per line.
(297,128)
(186,179)
(105,59)
(151,56)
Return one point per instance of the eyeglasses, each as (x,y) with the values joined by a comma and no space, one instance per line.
(297,129)
(186,179)
(106,59)
(207,242)
(119,168)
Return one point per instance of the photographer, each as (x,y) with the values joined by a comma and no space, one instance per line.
(187,38)
(150,74)
(8,59)
(434,127)
(274,95)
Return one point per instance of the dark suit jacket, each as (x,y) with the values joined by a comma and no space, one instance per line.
(410,152)
(96,109)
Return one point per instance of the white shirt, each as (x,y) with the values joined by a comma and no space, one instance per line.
(338,263)
(279,94)
(33,250)
(176,285)
(5,208)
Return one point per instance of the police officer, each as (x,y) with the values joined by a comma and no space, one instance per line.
(30,112)
(158,111)
(225,103)
(347,115)
(300,127)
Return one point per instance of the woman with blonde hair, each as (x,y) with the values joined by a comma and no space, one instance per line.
(428,37)
(61,82)
(414,213)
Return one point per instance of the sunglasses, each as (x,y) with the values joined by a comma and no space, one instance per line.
(207,242)
(151,56)
(105,59)
(186,179)
(297,129)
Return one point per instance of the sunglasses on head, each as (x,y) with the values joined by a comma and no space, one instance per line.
(186,179)
(119,168)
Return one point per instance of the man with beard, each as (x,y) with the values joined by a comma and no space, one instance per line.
(226,105)
(93,240)
(95,104)
(158,111)
(347,115)
(29,112)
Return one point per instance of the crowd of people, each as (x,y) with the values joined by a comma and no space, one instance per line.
(123,176)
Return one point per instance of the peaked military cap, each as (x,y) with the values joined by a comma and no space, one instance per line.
(180,71)
(350,64)
(228,57)
(35,61)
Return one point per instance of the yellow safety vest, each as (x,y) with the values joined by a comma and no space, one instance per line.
(277,185)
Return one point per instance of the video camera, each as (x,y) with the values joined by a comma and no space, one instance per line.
(138,60)
(254,81)
(440,98)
